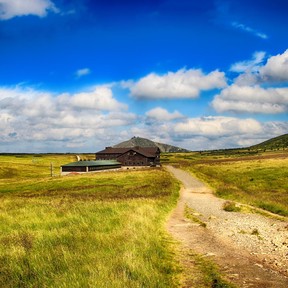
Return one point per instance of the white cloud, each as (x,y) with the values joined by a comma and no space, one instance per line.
(252,99)
(276,68)
(212,132)
(219,126)
(21,92)
(101,98)
(250,65)
(161,114)
(181,84)
(82,72)
(255,89)
(250,30)
(254,71)
(13,8)
(28,115)
(248,79)
(94,119)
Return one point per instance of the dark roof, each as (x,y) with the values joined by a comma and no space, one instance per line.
(146,151)
(92,163)
(111,150)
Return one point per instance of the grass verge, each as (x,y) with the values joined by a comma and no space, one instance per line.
(210,274)
(260,183)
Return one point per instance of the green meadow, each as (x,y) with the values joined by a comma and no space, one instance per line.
(107,229)
(260,180)
(261,183)
(98,230)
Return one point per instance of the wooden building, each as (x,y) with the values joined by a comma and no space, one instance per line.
(133,156)
(89,166)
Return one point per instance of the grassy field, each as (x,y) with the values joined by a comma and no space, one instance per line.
(259,180)
(107,229)
(97,230)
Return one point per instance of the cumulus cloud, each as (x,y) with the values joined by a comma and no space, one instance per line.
(255,89)
(30,115)
(255,71)
(276,68)
(101,98)
(161,114)
(13,8)
(181,84)
(252,99)
(82,72)
(217,126)
(211,132)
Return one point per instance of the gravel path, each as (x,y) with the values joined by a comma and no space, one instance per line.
(250,249)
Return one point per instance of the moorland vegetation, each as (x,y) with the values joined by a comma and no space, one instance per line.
(107,229)
(258,179)
(94,230)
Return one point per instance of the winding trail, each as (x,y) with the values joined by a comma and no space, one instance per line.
(251,250)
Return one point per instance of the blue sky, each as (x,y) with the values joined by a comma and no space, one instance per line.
(76,76)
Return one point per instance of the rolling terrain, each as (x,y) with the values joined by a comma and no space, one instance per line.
(276,143)
(109,227)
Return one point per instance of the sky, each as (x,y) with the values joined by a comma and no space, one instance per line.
(80,75)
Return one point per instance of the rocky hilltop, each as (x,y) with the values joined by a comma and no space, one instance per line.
(143,142)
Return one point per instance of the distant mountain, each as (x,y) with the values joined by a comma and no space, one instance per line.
(143,142)
(279,142)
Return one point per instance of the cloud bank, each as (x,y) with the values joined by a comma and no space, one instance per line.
(217,126)
(70,120)
(39,121)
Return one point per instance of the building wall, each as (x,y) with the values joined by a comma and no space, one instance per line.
(108,156)
(96,168)
(74,169)
(132,158)
(85,169)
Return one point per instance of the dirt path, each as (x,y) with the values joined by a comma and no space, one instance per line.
(250,250)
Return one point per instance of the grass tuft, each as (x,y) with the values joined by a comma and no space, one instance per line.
(210,271)
(230,206)
(255,232)
(192,215)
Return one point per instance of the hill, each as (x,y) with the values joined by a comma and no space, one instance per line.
(143,142)
(276,143)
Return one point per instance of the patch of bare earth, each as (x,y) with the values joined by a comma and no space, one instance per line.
(250,250)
